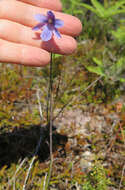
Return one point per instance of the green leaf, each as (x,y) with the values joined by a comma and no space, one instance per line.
(118,67)
(89,8)
(122,80)
(119,34)
(118,4)
(57,55)
(111,12)
(97,70)
(78,11)
(98,7)
(121,63)
(97,61)
(122,21)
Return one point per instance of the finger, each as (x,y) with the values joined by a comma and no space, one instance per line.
(50,4)
(22,54)
(24,35)
(24,14)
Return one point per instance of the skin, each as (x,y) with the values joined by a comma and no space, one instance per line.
(21,45)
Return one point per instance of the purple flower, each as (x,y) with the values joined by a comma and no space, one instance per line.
(49,24)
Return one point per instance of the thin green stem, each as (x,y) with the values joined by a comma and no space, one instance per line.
(48,103)
(50,119)
(51,103)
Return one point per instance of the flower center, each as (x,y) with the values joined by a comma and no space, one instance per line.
(50,21)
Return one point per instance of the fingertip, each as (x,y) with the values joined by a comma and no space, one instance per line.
(79,26)
(23,54)
(33,56)
(69,45)
(75,28)
(60,6)
(52,4)
(49,4)
(66,45)
(72,25)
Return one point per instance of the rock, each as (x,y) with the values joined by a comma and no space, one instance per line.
(86,161)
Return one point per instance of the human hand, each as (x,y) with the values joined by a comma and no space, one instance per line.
(19,44)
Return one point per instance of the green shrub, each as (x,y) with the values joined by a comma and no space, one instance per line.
(96,179)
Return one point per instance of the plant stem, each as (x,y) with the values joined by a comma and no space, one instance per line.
(50,103)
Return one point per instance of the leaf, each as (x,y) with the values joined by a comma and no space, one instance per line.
(122,21)
(117,69)
(111,12)
(57,55)
(98,7)
(97,70)
(89,8)
(122,80)
(97,61)
(118,4)
(120,63)
(78,11)
(105,12)
(119,34)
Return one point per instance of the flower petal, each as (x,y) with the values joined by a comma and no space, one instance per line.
(46,34)
(41,18)
(50,15)
(56,33)
(58,23)
(38,26)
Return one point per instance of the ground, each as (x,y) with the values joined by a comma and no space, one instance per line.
(88,136)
